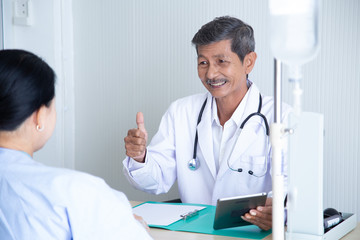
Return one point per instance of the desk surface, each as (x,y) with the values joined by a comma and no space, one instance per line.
(163,234)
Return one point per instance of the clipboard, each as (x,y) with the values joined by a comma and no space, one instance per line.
(162,215)
(202,222)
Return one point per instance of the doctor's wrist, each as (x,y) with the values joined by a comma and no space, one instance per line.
(141,158)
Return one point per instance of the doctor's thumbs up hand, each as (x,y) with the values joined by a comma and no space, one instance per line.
(135,141)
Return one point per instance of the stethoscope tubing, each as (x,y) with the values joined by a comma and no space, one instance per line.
(194,163)
(198,121)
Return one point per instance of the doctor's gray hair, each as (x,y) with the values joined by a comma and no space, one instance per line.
(227,28)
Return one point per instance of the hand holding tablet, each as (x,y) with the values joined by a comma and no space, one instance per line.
(229,211)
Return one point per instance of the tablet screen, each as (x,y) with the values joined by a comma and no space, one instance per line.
(229,210)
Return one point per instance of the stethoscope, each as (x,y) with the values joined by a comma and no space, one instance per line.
(194,163)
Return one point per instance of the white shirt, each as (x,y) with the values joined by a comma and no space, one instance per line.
(40,202)
(225,137)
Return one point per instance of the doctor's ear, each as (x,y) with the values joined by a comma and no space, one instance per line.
(249,62)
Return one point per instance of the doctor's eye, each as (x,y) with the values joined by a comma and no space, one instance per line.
(222,61)
(202,63)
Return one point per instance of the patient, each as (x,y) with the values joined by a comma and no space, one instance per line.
(40,202)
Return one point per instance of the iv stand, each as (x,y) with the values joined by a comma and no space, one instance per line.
(277,142)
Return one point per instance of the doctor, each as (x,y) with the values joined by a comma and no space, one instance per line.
(215,144)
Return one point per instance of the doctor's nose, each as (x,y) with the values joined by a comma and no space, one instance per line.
(212,72)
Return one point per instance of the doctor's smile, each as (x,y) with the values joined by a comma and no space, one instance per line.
(216,83)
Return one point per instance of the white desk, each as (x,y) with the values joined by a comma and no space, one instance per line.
(163,234)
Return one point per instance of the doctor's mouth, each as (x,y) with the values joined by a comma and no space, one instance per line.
(216,83)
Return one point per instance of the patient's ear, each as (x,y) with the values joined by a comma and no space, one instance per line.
(39,117)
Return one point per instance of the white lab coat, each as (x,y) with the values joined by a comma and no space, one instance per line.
(172,147)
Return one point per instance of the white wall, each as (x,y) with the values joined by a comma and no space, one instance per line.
(136,55)
(49,36)
(1,26)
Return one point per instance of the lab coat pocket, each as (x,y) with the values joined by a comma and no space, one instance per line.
(255,164)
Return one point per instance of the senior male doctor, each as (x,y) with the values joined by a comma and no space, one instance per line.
(214,144)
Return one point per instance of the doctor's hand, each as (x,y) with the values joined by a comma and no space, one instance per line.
(261,216)
(135,141)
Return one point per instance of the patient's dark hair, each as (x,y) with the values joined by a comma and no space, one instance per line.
(26,83)
(227,28)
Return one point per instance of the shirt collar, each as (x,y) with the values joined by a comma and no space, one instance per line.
(239,111)
(17,154)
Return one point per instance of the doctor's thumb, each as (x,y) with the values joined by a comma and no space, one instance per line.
(140,122)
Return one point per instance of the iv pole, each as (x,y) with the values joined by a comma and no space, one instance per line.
(277,142)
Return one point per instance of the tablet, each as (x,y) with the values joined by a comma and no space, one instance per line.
(229,210)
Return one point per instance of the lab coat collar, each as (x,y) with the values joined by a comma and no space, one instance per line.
(237,115)
(239,111)
(246,136)
(205,137)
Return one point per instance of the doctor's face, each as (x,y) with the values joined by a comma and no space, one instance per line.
(222,72)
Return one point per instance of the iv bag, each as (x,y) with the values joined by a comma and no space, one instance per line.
(294,31)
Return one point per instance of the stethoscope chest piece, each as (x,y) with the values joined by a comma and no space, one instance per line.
(193,164)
